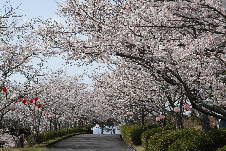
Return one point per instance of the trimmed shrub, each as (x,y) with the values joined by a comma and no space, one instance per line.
(200,141)
(147,134)
(123,130)
(149,126)
(54,134)
(185,139)
(41,137)
(29,140)
(222,148)
(81,130)
(153,140)
(45,136)
(194,140)
(218,138)
(132,134)
(135,131)
(172,127)
(61,132)
(168,139)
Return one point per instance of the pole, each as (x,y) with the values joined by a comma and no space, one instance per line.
(50,121)
(18,131)
(33,139)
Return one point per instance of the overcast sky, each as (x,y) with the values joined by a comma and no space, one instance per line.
(45,9)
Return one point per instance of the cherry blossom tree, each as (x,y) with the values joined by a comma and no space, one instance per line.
(60,94)
(181,42)
(129,89)
(61,102)
(19,45)
(134,94)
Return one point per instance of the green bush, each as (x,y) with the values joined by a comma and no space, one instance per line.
(155,138)
(29,140)
(149,126)
(172,127)
(147,134)
(81,130)
(194,140)
(185,139)
(45,136)
(168,139)
(132,134)
(123,130)
(54,134)
(197,140)
(61,132)
(41,137)
(218,138)
(222,148)
(200,141)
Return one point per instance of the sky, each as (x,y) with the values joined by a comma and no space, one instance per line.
(45,9)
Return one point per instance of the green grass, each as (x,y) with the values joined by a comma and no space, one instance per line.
(23,149)
(37,147)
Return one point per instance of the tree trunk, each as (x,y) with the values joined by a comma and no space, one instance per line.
(163,121)
(37,131)
(55,124)
(142,117)
(1,118)
(50,128)
(102,128)
(179,122)
(205,122)
(58,125)
(79,124)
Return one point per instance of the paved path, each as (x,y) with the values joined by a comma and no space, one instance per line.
(91,142)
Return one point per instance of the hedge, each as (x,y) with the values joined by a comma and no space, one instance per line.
(218,138)
(164,141)
(222,148)
(185,139)
(153,140)
(132,134)
(45,136)
(147,134)
(168,139)
(123,130)
(200,141)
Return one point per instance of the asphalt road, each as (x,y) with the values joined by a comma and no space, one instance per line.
(91,142)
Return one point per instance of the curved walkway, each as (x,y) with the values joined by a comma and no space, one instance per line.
(91,142)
